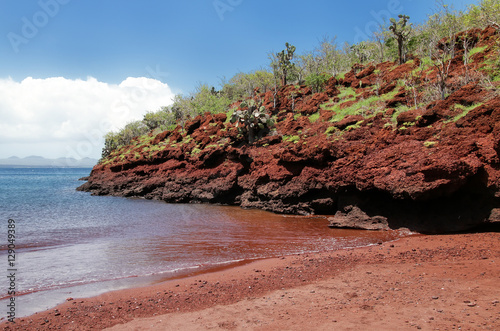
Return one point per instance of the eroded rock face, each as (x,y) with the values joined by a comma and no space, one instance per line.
(432,171)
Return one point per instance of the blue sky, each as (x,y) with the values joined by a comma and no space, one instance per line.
(92,45)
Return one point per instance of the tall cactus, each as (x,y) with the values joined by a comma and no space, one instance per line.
(285,61)
(252,122)
(401,31)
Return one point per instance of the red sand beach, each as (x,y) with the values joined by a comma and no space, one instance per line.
(441,282)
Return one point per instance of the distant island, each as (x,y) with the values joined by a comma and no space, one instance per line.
(38,161)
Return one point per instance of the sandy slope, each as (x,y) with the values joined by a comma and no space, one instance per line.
(441,282)
(423,291)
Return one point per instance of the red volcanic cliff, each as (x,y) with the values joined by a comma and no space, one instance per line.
(369,159)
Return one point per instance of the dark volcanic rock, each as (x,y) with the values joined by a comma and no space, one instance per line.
(354,218)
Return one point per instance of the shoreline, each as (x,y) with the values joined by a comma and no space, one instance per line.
(46,299)
(57,296)
(208,296)
(42,299)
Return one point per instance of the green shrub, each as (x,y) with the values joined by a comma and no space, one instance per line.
(317,81)
(160,119)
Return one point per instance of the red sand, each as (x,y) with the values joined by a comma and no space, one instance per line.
(440,282)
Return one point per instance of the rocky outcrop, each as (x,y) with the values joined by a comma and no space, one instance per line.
(432,169)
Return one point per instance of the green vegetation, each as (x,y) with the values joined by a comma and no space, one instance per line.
(366,107)
(293,139)
(426,63)
(113,141)
(430,144)
(359,108)
(186,140)
(357,125)
(398,110)
(331,130)
(465,111)
(347,94)
(492,65)
(314,117)
(283,64)
(243,85)
(476,50)
(401,31)
(155,148)
(253,122)
(432,41)
(203,100)
(317,81)
(195,151)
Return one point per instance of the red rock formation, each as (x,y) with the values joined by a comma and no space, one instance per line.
(429,170)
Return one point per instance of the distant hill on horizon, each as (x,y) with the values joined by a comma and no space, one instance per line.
(39,161)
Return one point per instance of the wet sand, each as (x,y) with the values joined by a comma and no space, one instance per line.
(443,282)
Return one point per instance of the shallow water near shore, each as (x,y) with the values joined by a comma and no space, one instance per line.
(71,244)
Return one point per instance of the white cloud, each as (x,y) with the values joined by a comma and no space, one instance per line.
(59,117)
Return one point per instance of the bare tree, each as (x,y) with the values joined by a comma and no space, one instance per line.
(443,29)
(328,56)
(379,37)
